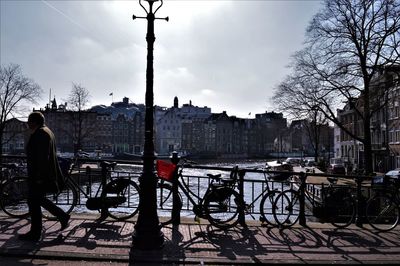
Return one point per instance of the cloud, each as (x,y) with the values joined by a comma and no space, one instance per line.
(227,55)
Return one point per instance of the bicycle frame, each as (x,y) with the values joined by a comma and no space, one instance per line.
(312,199)
(266,189)
(87,194)
(196,200)
(81,191)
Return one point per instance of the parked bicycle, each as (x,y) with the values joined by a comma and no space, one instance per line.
(337,205)
(220,204)
(117,198)
(382,209)
(14,190)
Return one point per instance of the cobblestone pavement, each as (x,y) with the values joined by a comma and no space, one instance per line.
(87,241)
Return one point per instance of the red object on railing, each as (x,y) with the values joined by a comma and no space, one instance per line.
(165,170)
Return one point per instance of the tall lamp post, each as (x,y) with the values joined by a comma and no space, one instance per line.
(148,234)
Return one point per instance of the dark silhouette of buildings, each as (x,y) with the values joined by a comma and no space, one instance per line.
(118,130)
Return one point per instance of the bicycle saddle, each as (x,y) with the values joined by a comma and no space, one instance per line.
(215,177)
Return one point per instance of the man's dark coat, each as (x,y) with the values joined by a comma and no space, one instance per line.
(43,168)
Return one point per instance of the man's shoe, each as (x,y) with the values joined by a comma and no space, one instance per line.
(64,221)
(30,236)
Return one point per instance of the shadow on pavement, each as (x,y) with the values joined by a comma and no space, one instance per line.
(90,240)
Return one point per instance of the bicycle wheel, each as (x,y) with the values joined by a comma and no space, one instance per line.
(14,196)
(286,208)
(66,199)
(382,213)
(165,202)
(340,207)
(267,207)
(221,207)
(124,193)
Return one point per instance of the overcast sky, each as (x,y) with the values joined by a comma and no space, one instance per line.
(227,55)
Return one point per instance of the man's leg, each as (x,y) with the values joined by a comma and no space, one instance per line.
(55,211)
(35,212)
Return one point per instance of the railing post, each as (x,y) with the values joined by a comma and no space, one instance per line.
(104,170)
(302,215)
(242,218)
(360,204)
(176,208)
(89,179)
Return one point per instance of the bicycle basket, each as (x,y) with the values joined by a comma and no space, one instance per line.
(165,170)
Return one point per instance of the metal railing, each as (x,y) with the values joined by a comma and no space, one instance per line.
(250,184)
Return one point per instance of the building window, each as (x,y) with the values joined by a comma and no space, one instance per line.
(391,136)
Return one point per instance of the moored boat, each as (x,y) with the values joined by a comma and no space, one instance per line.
(280,171)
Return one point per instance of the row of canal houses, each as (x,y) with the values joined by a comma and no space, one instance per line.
(118,129)
(384,127)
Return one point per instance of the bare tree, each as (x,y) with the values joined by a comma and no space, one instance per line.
(16,90)
(347,43)
(79,99)
(296,98)
(314,130)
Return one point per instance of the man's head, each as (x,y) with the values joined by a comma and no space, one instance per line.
(35,120)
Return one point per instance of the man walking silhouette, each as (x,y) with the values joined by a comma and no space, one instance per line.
(44,176)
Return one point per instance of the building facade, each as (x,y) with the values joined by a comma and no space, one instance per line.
(118,130)
(14,137)
(385,123)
